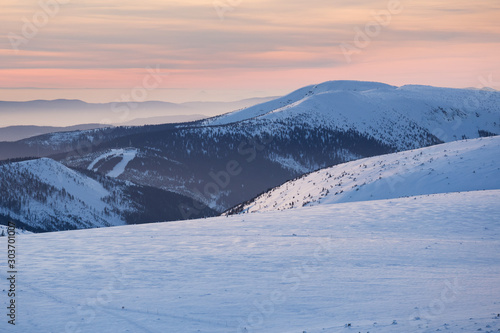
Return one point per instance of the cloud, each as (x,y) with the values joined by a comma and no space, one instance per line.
(260,34)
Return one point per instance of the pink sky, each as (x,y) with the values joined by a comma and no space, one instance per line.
(256,47)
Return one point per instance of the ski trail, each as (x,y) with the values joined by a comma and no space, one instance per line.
(127,156)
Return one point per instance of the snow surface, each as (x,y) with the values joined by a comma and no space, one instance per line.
(422,264)
(457,166)
(127,155)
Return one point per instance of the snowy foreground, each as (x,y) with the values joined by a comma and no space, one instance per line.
(423,264)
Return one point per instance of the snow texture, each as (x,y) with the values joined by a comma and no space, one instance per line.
(420,264)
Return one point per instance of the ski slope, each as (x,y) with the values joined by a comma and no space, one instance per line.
(420,264)
(126,155)
(467,165)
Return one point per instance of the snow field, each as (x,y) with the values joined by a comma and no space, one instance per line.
(418,264)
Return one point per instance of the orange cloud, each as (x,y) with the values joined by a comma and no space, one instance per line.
(277,43)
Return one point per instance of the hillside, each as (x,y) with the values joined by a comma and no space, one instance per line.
(402,117)
(452,167)
(44,195)
(311,128)
(421,264)
(273,142)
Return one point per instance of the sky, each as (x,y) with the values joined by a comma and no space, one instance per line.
(178,51)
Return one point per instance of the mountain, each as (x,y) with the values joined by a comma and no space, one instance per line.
(44,195)
(75,141)
(420,264)
(228,159)
(64,111)
(68,112)
(16,133)
(459,166)
(164,120)
(402,117)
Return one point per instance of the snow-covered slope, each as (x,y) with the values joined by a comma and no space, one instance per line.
(401,117)
(273,142)
(424,264)
(124,157)
(457,166)
(44,195)
(311,128)
(47,195)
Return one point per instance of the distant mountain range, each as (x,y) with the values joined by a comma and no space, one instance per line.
(16,133)
(229,159)
(62,111)
(469,165)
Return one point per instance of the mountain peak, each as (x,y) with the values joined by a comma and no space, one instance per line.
(350,85)
(379,110)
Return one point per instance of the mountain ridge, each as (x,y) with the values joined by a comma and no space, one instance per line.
(70,112)
(20,132)
(309,129)
(373,108)
(459,166)
(43,195)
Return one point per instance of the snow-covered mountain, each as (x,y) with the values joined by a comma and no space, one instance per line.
(402,117)
(410,261)
(270,143)
(467,165)
(311,128)
(414,265)
(44,195)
